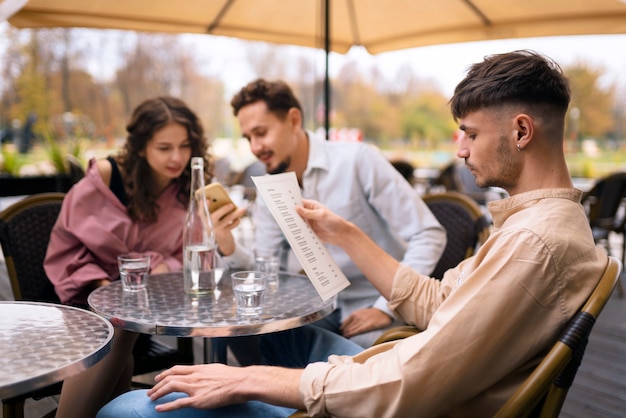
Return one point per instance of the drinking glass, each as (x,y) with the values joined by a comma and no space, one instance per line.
(249,287)
(268,265)
(134,269)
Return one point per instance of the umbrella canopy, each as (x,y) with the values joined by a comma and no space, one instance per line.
(334,25)
(377,25)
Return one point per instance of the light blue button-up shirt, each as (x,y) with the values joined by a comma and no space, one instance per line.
(356,181)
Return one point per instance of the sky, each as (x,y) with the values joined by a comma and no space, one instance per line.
(445,65)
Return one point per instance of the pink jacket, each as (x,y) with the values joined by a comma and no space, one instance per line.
(93,228)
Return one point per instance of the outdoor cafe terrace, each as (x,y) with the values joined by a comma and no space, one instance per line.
(599,389)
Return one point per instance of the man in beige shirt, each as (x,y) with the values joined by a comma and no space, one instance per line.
(486,324)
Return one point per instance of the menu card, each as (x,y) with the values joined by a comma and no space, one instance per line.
(281,194)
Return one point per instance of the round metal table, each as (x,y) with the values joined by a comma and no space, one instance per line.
(44,343)
(163,308)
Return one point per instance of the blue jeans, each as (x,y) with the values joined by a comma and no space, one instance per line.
(248,350)
(293,348)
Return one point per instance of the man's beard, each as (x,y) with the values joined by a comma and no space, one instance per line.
(281,167)
(508,168)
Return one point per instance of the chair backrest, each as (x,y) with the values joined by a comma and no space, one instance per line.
(458,178)
(255,168)
(466,227)
(604,199)
(543,392)
(25,229)
(405,168)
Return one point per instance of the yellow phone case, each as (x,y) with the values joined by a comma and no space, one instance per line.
(217,196)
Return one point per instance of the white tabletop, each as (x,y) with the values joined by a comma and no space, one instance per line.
(43,343)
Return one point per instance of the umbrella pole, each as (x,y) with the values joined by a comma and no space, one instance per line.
(326,75)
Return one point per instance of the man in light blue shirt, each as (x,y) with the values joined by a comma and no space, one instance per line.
(356,182)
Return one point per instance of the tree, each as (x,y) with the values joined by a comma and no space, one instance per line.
(157,65)
(266,60)
(357,104)
(426,120)
(591,107)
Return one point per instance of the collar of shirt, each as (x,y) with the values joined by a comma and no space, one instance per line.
(317,157)
(501,209)
(318,162)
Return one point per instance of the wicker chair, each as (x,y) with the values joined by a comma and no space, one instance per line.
(605,205)
(466,227)
(543,393)
(457,177)
(25,229)
(24,237)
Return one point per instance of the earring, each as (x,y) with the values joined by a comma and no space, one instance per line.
(519,148)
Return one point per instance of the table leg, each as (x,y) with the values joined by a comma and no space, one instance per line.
(215,350)
(13,409)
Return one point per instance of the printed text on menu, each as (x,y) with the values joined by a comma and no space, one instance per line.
(281,194)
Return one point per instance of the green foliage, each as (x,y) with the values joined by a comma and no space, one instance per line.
(427,119)
(608,161)
(75,148)
(55,153)
(593,103)
(58,151)
(11,161)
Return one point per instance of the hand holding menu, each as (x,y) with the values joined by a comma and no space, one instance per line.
(281,194)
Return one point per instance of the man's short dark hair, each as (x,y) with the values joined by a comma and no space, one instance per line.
(521,77)
(277,95)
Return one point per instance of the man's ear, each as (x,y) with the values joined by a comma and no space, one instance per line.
(294,116)
(525,129)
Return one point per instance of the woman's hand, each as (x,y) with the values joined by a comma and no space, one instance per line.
(96,284)
(223,224)
(161,268)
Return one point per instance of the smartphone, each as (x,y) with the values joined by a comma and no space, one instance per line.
(217,197)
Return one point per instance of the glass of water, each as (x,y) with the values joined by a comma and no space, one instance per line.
(268,265)
(249,287)
(134,269)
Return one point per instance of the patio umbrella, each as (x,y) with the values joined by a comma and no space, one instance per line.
(335,25)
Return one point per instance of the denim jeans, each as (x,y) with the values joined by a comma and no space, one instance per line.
(293,348)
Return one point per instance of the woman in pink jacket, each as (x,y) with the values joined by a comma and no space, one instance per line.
(135,202)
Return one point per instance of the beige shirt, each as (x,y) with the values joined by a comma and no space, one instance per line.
(486,324)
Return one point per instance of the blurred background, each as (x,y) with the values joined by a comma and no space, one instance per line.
(70,91)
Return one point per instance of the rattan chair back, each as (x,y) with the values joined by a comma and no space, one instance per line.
(466,227)
(25,229)
(543,393)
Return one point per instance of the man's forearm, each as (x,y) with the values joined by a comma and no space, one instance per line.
(274,385)
(378,266)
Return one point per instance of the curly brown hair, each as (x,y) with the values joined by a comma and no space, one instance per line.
(148,118)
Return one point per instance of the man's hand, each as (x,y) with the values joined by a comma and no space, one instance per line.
(378,266)
(326,224)
(215,385)
(208,386)
(364,320)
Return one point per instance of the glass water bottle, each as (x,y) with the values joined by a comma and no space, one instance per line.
(198,237)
